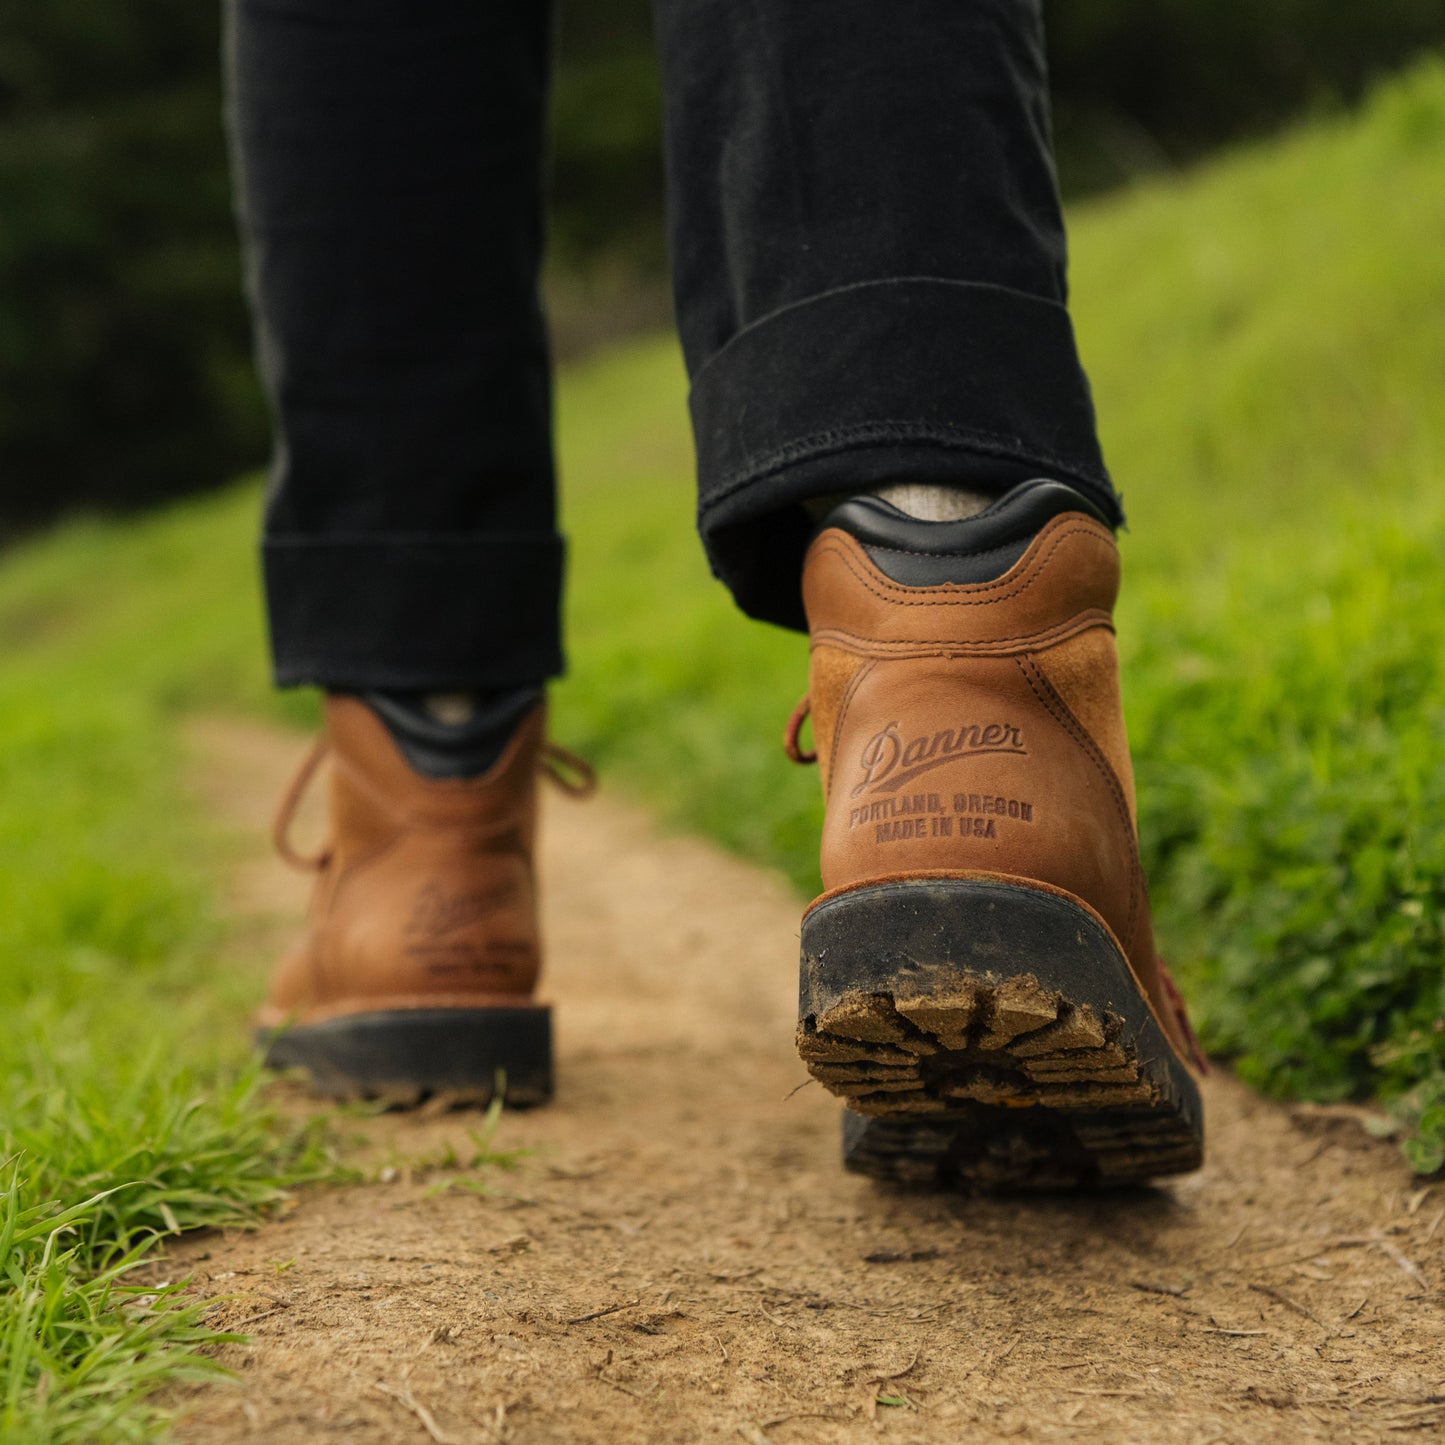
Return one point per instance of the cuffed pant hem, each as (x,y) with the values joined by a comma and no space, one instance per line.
(414,612)
(914,378)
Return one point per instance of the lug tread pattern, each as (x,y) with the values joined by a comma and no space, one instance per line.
(998,1083)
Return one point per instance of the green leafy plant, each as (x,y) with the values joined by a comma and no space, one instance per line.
(1292,786)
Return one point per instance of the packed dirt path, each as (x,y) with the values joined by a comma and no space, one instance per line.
(679,1257)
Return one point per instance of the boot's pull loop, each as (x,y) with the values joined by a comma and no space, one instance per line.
(1181,1017)
(574,775)
(791,745)
(286,813)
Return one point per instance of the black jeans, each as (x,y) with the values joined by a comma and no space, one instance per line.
(868,265)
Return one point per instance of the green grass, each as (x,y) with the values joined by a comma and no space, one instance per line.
(130,1109)
(1265,346)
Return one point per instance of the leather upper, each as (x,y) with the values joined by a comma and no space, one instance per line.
(977,729)
(426,896)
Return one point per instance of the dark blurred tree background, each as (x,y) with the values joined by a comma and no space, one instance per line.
(125,369)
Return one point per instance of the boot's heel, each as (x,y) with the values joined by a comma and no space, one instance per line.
(406,1055)
(989,1034)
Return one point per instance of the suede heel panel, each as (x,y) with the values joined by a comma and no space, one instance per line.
(1084,671)
(830,671)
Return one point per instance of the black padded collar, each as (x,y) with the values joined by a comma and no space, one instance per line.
(977,549)
(452,750)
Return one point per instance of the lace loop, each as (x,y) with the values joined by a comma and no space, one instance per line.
(286,813)
(575,776)
(791,733)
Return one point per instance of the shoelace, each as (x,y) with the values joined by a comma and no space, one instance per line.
(563,768)
(286,812)
(791,744)
(575,776)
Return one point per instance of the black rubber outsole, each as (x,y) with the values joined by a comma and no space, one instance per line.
(989,1036)
(406,1056)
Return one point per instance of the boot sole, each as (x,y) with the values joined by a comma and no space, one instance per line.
(407,1056)
(989,1036)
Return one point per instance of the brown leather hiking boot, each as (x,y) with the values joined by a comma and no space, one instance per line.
(978,979)
(416,971)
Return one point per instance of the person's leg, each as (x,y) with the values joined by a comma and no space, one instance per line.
(869,268)
(868,263)
(388,161)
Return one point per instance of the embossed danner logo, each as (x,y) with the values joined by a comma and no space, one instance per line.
(436,913)
(888,762)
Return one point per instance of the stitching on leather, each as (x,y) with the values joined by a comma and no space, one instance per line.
(906,552)
(976,590)
(848,694)
(1059,709)
(998,646)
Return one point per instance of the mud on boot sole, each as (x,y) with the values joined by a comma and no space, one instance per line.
(989,1036)
(407,1056)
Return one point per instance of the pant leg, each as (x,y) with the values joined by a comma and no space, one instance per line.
(388,158)
(868,263)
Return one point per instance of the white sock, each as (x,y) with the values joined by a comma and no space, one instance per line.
(450,708)
(928,501)
(932,502)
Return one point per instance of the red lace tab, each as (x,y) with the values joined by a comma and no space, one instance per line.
(791,733)
(286,813)
(575,776)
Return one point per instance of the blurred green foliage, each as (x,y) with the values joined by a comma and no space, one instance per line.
(1140,87)
(606,178)
(129,1112)
(1291,795)
(124,352)
(125,368)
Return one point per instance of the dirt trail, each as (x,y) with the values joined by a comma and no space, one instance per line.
(680,1257)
